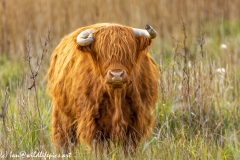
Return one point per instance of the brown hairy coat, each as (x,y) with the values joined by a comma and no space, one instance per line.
(85,108)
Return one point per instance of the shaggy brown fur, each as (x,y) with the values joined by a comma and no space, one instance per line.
(85,108)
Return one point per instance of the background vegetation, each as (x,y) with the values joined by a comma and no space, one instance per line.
(197,49)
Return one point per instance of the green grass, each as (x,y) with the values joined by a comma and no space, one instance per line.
(211,130)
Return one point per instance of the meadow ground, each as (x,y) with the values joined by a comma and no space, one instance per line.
(197,50)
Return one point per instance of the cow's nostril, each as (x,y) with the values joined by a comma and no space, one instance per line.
(110,75)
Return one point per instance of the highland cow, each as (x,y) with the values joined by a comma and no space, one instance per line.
(104,86)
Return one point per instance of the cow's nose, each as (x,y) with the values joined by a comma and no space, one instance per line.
(117,77)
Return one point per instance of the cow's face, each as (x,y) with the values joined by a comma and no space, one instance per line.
(116,49)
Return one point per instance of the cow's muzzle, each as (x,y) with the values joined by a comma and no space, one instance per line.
(117,78)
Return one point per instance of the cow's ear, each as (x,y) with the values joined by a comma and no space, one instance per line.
(85,48)
(143,42)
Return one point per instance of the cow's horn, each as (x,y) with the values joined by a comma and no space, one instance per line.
(149,32)
(85,37)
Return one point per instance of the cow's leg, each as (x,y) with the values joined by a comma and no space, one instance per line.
(63,131)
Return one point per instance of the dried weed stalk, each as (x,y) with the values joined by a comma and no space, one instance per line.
(3,115)
(182,57)
(35,72)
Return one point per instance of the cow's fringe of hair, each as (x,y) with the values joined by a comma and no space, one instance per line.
(113,43)
(82,105)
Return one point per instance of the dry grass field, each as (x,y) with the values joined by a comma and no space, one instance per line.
(197,50)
